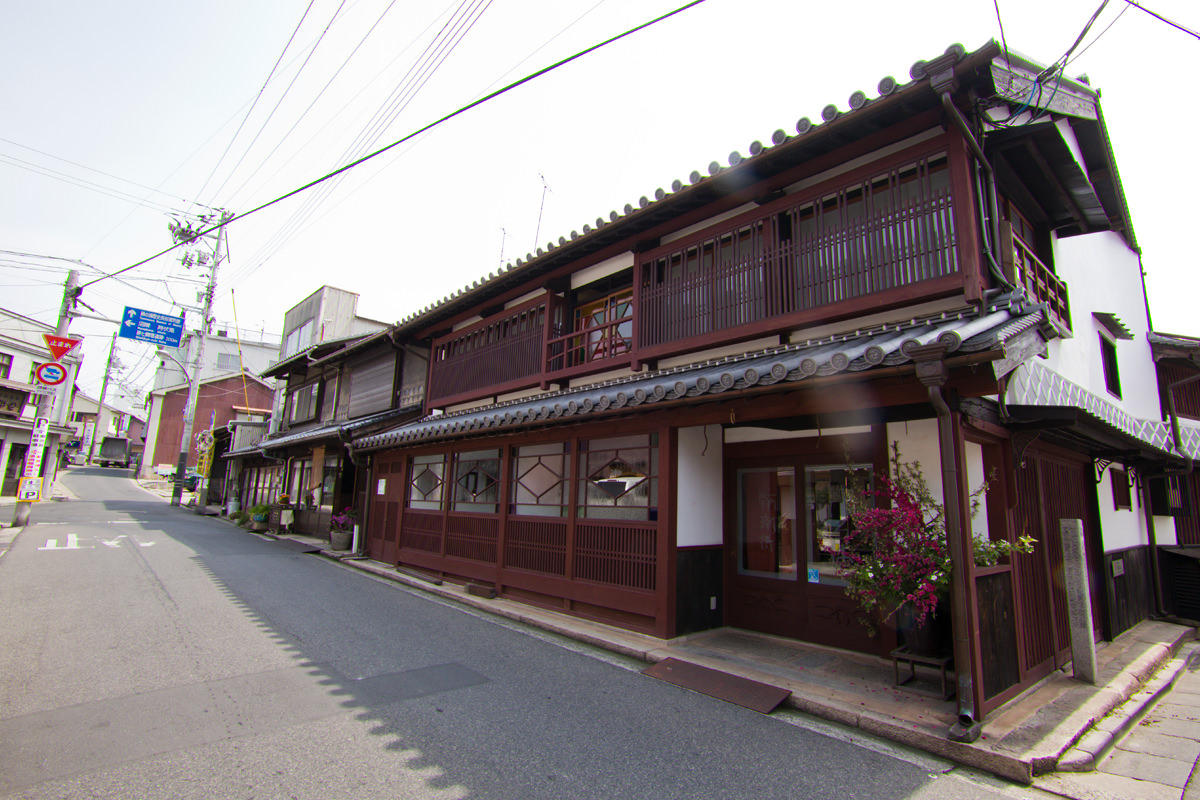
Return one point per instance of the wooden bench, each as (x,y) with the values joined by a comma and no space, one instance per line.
(940,662)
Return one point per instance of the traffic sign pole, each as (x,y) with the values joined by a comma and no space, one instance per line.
(112,348)
(45,402)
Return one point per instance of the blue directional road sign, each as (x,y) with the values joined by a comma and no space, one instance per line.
(152,327)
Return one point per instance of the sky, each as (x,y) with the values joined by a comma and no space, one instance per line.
(121,116)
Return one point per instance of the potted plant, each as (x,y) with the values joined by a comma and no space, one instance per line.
(895,557)
(341,529)
(259,515)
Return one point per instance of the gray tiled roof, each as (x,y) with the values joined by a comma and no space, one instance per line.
(967,330)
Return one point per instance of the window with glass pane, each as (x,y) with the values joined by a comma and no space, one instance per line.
(766,522)
(425,485)
(829,490)
(332,468)
(620,478)
(476,482)
(540,474)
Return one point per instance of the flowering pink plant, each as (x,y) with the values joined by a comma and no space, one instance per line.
(345,520)
(896,551)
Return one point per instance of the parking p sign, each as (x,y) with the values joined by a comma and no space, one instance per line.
(29,490)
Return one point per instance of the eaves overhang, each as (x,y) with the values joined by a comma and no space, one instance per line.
(1082,431)
(1169,345)
(988,331)
(300,361)
(1039,157)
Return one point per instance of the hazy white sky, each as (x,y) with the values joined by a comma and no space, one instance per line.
(116,114)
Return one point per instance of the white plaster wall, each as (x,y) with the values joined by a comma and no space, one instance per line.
(976,479)
(1120,528)
(700,516)
(919,442)
(1104,275)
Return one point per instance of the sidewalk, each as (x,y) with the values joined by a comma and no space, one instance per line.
(1157,758)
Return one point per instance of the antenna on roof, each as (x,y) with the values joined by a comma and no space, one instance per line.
(538,232)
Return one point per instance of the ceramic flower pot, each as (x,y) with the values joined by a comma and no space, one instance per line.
(339,540)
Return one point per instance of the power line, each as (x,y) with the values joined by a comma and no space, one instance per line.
(381,120)
(1098,36)
(83,183)
(254,103)
(445,118)
(262,162)
(312,51)
(93,169)
(1161,18)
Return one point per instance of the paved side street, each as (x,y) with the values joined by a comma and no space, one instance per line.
(1156,758)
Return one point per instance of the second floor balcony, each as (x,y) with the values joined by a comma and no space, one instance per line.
(875,239)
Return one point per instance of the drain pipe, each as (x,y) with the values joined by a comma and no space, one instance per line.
(360,462)
(933,373)
(990,214)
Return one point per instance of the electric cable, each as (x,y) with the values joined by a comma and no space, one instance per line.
(429,126)
(254,103)
(83,183)
(339,115)
(296,76)
(93,169)
(263,161)
(1161,18)
(375,127)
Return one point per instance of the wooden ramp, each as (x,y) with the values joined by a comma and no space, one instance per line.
(760,697)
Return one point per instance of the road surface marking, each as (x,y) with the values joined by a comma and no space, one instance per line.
(72,544)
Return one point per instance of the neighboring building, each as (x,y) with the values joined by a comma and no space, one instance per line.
(220,399)
(22,349)
(655,423)
(332,391)
(224,352)
(327,314)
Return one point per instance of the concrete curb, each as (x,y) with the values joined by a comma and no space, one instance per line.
(1090,749)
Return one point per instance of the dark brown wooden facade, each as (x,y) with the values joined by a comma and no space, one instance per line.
(763,259)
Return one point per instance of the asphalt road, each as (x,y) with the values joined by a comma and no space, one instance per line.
(149,653)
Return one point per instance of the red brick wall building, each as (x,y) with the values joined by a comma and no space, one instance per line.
(216,398)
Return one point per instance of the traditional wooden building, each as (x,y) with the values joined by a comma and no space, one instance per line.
(655,421)
(332,390)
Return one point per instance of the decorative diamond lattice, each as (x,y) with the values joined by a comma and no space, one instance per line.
(426,482)
(539,479)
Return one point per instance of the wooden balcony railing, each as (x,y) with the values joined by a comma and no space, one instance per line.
(870,239)
(830,259)
(581,350)
(494,355)
(1040,283)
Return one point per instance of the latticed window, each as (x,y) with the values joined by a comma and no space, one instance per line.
(620,478)
(425,485)
(477,481)
(540,474)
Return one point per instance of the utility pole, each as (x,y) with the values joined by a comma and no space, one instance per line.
(183,233)
(112,348)
(45,403)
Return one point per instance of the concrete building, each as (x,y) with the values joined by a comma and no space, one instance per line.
(22,349)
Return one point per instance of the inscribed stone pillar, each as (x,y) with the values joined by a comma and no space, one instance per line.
(1079,602)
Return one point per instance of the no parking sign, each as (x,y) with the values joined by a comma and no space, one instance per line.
(51,373)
